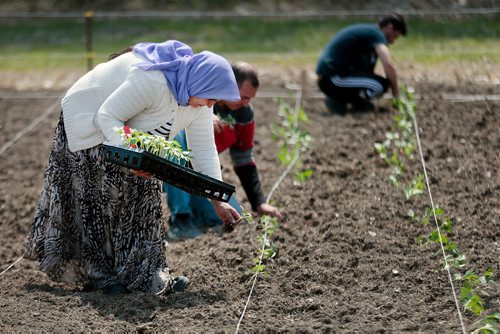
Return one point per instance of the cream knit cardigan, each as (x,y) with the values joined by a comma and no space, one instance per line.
(116,93)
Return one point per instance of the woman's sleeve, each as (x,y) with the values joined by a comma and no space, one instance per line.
(200,139)
(137,93)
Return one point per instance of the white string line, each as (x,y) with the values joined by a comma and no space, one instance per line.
(283,175)
(457,304)
(28,128)
(31,95)
(267,55)
(14,140)
(268,199)
(244,13)
(255,276)
(459,97)
(12,265)
(456,98)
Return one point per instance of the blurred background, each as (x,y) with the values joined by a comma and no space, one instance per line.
(48,44)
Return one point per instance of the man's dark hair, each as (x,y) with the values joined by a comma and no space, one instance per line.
(397,21)
(244,71)
(119,53)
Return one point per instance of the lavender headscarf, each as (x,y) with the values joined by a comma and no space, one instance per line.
(205,74)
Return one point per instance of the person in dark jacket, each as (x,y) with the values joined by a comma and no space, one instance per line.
(234,125)
(346,68)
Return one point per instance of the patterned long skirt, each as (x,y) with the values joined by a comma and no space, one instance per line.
(97,222)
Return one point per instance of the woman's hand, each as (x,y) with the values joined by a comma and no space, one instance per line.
(229,216)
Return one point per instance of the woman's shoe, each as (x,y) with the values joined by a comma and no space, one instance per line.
(177,284)
(180,283)
(114,289)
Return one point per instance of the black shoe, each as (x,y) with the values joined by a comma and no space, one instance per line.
(335,107)
(180,283)
(362,105)
(181,227)
(89,287)
(114,289)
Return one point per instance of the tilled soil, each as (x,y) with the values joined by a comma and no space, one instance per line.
(347,259)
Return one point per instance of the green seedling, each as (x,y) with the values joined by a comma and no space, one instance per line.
(396,150)
(490,324)
(293,140)
(157,145)
(244,217)
(428,214)
(486,329)
(472,285)
(382,150)
(267,248)
(411,214)
(415,188)
(399,144)
(229,120)
(394,181)
(456,260)
(399,167)
(303,176)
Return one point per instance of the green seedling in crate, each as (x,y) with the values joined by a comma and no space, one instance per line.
(229,120)
(156,145)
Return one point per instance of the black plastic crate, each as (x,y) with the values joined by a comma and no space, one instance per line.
(182,177)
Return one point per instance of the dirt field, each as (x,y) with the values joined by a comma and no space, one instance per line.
(347,261)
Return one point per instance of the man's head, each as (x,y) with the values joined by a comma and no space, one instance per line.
(248,83)
(392,26)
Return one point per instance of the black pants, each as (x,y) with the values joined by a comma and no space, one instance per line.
(353,87)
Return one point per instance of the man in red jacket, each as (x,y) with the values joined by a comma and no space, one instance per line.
(234,130)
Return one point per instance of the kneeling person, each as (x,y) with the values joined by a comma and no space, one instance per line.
(234,125)
(346,68)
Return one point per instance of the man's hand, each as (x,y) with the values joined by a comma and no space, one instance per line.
(389,69)
(218,124)
(268,209)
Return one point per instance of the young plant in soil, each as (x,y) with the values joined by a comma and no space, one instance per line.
(292,142)
(399,145)
(267,248)
(473,288)
(292,139)
(245,216)
(397,151)
(416,187)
